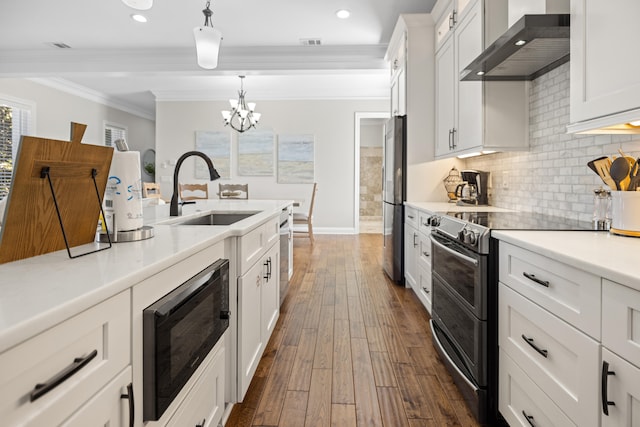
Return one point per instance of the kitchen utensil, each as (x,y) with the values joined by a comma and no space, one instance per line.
(592,164)
(634,175)
(619,172)
(602,167)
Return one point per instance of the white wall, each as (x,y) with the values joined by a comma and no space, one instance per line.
(331,122)
(55,110)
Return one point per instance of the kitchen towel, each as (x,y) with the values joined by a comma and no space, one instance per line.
(123,195)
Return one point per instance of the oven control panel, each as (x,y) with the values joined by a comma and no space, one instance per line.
(473,236)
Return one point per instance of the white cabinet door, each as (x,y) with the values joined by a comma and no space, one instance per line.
(621,320)
(605,70)
(411,244)
(107,408)
(270,298)
(445,97)
(468,45)
(621,387)
(250,343)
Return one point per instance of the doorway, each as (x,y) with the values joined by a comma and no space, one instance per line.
(369,139)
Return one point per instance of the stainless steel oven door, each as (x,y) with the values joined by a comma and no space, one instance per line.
(463,335)
(463,271)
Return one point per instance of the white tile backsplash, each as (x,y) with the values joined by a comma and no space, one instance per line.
(552,177)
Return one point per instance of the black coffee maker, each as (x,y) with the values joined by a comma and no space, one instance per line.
(473,191)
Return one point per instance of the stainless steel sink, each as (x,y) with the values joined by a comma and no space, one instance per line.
(218,218)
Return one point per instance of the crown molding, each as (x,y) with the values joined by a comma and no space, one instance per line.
(93,95)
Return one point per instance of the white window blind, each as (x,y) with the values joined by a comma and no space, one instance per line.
(15,121)
(113,133)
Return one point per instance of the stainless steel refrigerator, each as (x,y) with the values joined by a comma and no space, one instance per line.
(394,194)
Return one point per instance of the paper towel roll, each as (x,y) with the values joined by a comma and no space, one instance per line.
(123,195)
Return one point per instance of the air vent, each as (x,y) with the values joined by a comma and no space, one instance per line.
(60,45)
(310,42)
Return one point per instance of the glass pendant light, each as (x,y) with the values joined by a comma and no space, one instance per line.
(207,41)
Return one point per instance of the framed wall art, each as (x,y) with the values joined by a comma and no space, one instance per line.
(295,159)
(255,153)
(216,145)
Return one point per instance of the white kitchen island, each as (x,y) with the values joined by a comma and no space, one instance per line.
(50,302)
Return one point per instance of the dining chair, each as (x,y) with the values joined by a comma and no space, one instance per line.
(306,219)
(193,191)
(151,190)
(233,191)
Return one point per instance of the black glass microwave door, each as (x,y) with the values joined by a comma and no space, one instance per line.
(467,334)
(462,277)
(181,340)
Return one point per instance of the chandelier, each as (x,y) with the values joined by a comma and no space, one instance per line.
(207,41)
(241,117)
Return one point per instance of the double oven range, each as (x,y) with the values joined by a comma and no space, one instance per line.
(464,314)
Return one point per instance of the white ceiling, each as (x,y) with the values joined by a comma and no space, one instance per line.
(131,64)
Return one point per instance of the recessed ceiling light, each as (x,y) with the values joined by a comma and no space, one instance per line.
(520,42)
(480,73)
(139,18)
(343,13)
(139,4)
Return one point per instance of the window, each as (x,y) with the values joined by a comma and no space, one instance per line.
(15,121)
(113,133)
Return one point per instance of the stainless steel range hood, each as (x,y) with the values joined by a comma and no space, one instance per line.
(532,46)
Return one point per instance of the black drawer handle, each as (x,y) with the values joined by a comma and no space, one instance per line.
(531,342)
(78,363)
(535,279)
(225,314)
(427,254)
(201,424)
(426,291)
(605,383)
(129,397)
(529,418)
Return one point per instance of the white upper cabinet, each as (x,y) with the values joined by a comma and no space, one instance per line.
(605,69)
(474,117)
(410,57)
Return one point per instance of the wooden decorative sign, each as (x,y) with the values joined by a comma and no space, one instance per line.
(32,225)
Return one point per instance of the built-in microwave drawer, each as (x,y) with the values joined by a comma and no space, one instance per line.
(560,359)
(567,292)
(621,320)
(47,378)
(522,402)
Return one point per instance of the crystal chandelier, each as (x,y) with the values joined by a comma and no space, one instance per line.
(207,41)
(241,117)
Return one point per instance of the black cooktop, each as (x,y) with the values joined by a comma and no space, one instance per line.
(520,221)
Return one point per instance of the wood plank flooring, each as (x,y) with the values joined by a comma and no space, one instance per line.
(350,349)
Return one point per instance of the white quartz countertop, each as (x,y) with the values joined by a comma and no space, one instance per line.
(604,254)
(37,293)
(452,207)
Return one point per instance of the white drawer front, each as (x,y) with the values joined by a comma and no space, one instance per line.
(423,287)
(411,216)
(251,247)
(621,320)
(271,231)
(105,328)
(424,226)
(205,402)
(520,398)
(623,389)
(567,292)
(568,372)
(424,257)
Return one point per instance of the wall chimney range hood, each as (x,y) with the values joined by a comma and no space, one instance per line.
(531,47)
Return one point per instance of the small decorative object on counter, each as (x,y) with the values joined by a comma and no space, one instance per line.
(451,182)
(601,209)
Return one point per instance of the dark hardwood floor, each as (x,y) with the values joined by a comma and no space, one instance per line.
(350,349)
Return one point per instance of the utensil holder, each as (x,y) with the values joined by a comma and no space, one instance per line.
(625,212)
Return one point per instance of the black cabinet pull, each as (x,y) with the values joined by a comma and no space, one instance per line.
(450,135)
(426,291)
(132,410)
(225,314)
(605,383)
(530,341)
(270,264)
(201,423)
(78,363)
(426,254)
(535,279)
(414,240)
(453,139)
(529,418)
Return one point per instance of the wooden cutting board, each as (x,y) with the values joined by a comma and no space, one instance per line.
(31,226)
